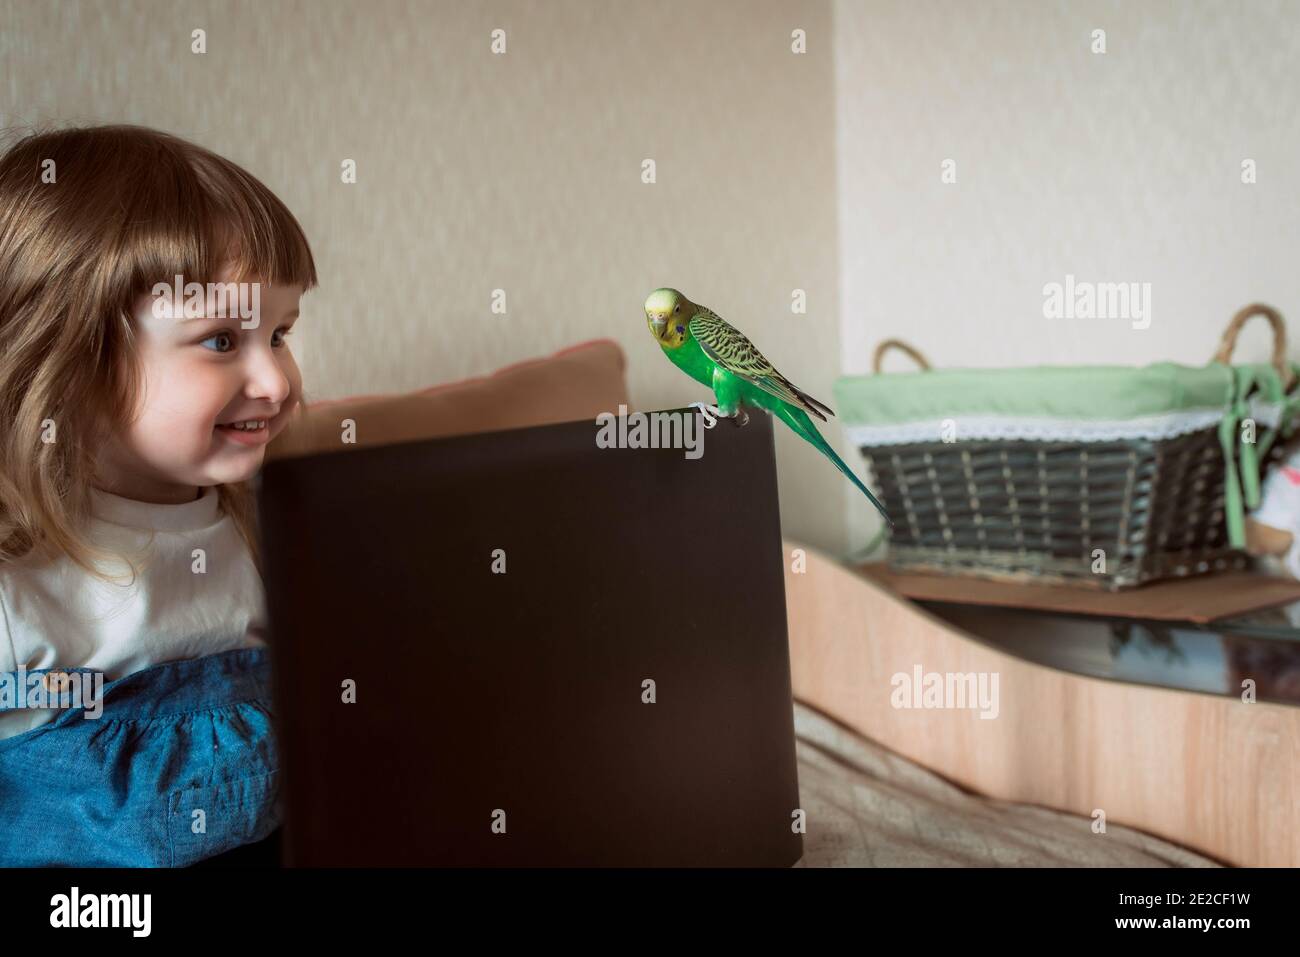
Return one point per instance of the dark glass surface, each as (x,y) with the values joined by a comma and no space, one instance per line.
(1215,658)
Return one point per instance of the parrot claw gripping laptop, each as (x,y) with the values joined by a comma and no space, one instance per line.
(521,648)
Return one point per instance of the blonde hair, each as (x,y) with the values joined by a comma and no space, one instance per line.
(90,219)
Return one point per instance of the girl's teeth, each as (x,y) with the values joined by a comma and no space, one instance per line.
(248,427)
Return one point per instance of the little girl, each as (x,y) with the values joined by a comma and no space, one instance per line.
(130,424)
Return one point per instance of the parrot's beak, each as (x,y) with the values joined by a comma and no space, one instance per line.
(658,324)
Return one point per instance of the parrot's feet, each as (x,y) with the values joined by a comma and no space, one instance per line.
(707,411)
(740,417)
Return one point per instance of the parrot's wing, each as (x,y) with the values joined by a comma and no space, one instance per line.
(727,346)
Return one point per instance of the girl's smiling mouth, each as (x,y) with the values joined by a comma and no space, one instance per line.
(246,431)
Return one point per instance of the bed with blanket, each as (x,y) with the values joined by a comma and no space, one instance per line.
(869,807)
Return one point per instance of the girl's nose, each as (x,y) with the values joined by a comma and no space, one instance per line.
(266,378)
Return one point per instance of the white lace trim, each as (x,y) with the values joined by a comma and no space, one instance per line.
(1046,429)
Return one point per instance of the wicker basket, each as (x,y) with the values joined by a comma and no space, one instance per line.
(1131,501)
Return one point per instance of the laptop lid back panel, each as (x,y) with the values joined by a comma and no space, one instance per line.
(518,648)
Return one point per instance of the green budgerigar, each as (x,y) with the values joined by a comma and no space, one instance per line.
(715,353)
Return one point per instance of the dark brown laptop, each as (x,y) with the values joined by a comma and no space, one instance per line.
(504,604)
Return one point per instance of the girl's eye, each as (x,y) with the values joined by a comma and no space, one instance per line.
(281,332)
(219,335)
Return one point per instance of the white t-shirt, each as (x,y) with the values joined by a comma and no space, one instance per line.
(55,614)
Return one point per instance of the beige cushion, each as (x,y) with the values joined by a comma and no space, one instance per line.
(575,383)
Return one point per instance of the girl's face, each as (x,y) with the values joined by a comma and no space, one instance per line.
(199,373)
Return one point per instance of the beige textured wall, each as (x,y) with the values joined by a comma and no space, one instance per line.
(1115,167)
(519,172)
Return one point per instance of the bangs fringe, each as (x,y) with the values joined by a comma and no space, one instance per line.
(196,212)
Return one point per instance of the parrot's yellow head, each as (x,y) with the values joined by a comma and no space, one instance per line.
(667,312)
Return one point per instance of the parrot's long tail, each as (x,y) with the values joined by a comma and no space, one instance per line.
(798,420)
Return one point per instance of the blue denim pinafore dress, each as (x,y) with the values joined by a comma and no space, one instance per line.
(181,765)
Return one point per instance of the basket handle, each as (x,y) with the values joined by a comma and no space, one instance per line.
(1229,341)
(901,345)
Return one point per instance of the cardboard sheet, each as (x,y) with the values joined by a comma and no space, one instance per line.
(1203,598)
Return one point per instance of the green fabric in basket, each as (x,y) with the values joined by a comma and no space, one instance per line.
(1265,380)
(1066,392)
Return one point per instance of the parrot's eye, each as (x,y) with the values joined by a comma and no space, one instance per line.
(678,308)
(680,329)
